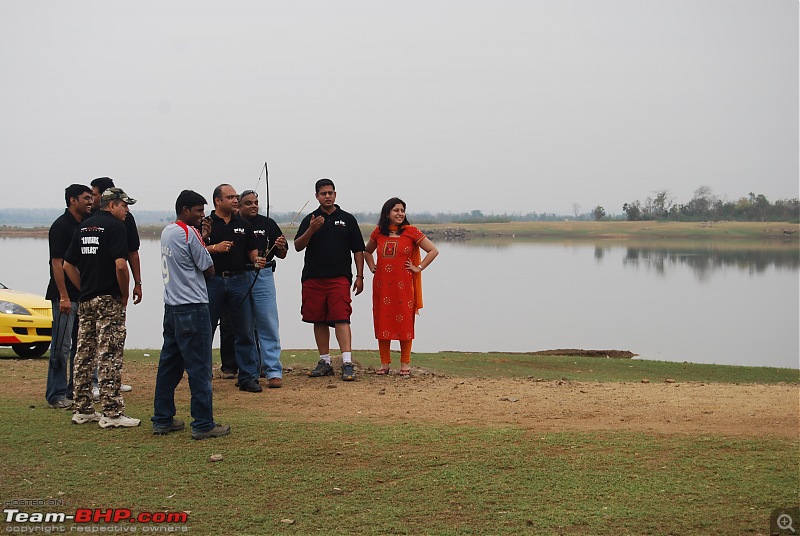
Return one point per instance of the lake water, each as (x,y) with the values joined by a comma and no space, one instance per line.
(725,303)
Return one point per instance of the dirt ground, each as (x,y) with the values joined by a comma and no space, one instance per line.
(750,410)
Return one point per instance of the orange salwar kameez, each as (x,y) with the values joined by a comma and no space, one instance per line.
(394,300)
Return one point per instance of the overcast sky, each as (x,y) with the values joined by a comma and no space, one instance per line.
(452,105)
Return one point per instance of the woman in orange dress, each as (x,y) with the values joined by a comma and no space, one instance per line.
(397,281)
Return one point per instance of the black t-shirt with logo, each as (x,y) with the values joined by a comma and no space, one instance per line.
(130,226)
(59,238)
(266,231)
(99,242)
(328,252)
(238,231)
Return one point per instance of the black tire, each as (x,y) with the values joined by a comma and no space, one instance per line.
(36,349)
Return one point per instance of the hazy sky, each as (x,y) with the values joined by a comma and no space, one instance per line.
(453,105)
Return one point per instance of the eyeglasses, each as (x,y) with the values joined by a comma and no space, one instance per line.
(248,192)
(323,194)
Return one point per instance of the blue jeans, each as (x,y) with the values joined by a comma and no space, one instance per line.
(227,345)
(228,295)
(265,311)
(187,346)
(63,345)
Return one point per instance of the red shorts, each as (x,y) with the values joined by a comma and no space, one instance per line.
(326,301)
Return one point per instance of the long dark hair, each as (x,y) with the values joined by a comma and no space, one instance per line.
(383,222)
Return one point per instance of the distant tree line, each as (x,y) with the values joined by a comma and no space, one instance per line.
(422,218)
(29,216)
(705,206)
(474,216)
(46,216)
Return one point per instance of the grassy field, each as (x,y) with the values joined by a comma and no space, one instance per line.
(292,476)
(633,229)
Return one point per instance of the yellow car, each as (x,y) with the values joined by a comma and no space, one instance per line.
(26,322)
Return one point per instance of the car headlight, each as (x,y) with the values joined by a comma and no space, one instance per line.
(11,308)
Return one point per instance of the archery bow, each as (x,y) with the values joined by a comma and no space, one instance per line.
(265,172)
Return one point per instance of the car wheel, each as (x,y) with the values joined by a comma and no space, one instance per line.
(30,350)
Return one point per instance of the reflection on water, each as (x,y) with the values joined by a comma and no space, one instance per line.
(702,257)
(731,303)
(703,261)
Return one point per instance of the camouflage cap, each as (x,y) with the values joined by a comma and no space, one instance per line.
(116,193)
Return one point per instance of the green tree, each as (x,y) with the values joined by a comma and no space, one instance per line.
(633,211)
(659,207)
(599,213)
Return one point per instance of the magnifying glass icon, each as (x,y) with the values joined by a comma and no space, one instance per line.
(784,522)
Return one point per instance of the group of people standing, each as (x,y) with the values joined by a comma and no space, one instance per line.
(91,247)
(218,271)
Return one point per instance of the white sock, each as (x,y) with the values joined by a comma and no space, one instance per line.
(326,358)
(347,357)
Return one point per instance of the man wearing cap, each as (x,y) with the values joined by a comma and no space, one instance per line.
(233,248)
(271,244)
(97,264)
(99,185)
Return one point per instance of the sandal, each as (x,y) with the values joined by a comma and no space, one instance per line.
(382,372)
(405,372)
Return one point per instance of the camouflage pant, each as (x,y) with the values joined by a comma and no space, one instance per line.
(101,340)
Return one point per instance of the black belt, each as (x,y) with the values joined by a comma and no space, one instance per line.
(231,273)
(270,265)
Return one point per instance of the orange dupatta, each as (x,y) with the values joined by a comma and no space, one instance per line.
(417,278)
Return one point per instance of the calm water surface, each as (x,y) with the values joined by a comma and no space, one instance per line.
(703,303)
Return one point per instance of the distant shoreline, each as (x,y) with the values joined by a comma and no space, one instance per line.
(782,231)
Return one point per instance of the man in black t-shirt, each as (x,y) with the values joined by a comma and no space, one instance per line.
(96,263)
(64,297)
(329,235)
(233,248)
(100,185)
(271,244)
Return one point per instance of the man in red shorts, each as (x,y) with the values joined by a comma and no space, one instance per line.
(329,235)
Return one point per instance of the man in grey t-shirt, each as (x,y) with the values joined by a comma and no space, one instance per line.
(185,264)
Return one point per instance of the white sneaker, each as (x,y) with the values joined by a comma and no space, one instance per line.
(124,388)
(83,418)
(118,422)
